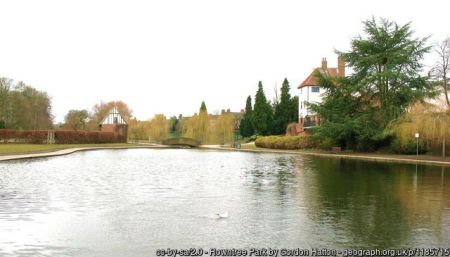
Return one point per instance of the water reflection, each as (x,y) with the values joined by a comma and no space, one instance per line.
(130,202)
(382,205)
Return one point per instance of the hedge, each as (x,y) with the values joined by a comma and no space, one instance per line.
(7,134)
(85,137)
(285,142)
(23,136)
(61,136)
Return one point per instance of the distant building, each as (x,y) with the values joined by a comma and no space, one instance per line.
(311,92)
(114,122)
(236,115)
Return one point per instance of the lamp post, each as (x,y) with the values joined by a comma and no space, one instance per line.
(417,143)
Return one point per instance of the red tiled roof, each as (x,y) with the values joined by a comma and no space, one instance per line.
(311,80)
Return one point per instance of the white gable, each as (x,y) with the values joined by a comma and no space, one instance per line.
(113,117)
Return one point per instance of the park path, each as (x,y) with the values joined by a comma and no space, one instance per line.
(40,155)
(69,151)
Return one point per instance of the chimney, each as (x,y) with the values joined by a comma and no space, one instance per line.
(324,63)
(341,66)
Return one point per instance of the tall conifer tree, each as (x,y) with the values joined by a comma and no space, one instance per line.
(262,113)
(246,127)
(286,110)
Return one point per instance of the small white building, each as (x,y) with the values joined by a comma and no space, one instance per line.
(113,118)
(311,92)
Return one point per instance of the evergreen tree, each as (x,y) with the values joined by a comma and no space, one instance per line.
(246,126)
(202,125)
(203,107)
(293,109)
(286,111)
(386,64)
(174,126)
(357,109)
(262,117)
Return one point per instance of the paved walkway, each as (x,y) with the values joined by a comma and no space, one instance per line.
(69,151)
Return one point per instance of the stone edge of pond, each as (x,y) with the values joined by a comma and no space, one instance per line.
(77,149)
(262,150)
(334,155)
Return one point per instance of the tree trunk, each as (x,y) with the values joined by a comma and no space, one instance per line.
(446,97)
(443,147)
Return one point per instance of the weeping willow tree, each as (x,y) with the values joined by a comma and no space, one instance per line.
(222,129)
(196,127)
(138,130)
(431,121)
(190,128)
(158,128)
(210,129)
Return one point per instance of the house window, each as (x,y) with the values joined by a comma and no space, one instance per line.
(315,89)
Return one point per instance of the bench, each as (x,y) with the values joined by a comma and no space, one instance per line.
(336,149)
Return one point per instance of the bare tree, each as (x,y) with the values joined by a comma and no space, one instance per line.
(441,70)
(276,100)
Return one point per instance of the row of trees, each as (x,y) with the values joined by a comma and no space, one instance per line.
(23,107)
(85,120)
(360,111)
(156,129)
(266,118)
(211,129)
(204,127)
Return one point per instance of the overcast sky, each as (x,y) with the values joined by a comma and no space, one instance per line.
(167,56)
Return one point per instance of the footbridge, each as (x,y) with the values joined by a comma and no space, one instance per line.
(181,141)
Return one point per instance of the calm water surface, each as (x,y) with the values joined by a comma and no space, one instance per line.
(131,202)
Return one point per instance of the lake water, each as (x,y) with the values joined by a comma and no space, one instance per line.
(132,202)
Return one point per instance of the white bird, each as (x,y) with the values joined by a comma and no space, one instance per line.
(222,215)
(266,182)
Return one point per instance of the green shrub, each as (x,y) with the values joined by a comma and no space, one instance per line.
(327,143)
(285,142)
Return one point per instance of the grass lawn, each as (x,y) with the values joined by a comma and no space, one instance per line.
(249,146)
(7,149)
